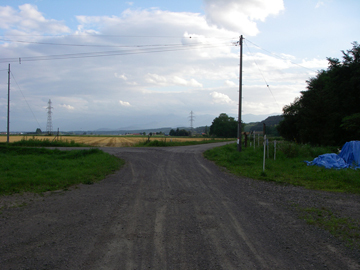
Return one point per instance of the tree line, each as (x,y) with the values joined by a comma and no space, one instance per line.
(328,112)
(179,132)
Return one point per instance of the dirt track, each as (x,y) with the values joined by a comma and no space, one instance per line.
(169,208)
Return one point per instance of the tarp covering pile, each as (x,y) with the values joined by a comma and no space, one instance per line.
(349,157)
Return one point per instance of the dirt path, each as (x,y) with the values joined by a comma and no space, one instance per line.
(169,208)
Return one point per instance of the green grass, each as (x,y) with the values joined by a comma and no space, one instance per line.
(167,142)
(346,228)
(38,169)
(288,168)
(34,142)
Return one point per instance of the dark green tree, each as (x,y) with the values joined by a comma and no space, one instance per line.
(179,132)
(224,126)
(320,116)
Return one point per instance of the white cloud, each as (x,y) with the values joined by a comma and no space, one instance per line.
(315,63)
(68,107)
(122,76)
(28,19)
(124,103)
(198,73)
(170,80)
(221,98)
(155,79)
(319,4)
(241,15)
(230,83)
(194,83)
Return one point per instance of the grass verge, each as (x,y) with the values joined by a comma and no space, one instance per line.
(165,143)
(346,229)
(45,143)
(40,169)
(288,168)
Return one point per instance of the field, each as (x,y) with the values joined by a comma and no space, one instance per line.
(103,141)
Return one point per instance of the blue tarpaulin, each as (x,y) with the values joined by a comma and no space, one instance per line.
(349,157)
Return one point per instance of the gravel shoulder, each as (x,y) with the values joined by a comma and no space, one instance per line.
(169,208)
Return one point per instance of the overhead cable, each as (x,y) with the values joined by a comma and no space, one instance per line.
(25,99)
(280,57)
(109,53)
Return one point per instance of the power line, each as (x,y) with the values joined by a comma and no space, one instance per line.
(108,53)
(119,36)
(280,57)
(267,85)
(87,45)
(25,99)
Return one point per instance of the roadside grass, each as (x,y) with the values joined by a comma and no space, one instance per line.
(35,142)
(346,229)
(38,170)
(288,168)
(167,142)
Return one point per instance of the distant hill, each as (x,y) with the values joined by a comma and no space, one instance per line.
(271,122)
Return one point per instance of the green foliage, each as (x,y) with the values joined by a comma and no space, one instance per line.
(40,169)
(224,126)
(179,132)
(45,143)
(288,168)
(328,112)
(345,228)
(164,142)
(293,150)
(352,124)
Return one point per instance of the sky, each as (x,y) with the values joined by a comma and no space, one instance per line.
(148,64)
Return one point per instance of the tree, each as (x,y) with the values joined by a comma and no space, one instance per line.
(38,131)
(224,126)
(320,116)
(179,132)
(352,124)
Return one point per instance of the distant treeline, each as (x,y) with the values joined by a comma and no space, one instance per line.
(179,132)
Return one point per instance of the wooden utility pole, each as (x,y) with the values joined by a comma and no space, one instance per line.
(8,109)
(240,95)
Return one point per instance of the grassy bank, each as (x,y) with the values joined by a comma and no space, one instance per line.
(39,169)
(168,142)
(35,142)
(289,166)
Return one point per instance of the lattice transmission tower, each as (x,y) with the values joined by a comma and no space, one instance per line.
(49,120)
(191,119)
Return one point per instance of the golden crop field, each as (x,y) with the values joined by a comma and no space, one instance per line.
(101,141)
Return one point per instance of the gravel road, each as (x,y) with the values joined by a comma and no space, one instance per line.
(169,208)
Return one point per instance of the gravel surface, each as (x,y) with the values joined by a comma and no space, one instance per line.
(169,208)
